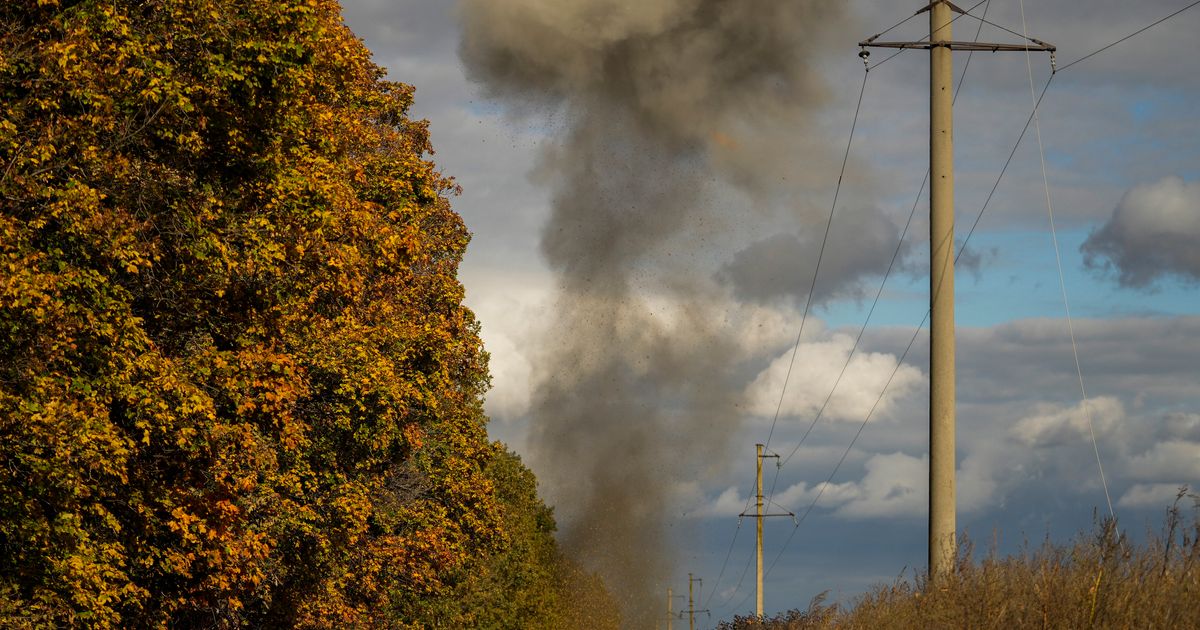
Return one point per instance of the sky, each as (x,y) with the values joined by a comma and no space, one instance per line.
(751,181)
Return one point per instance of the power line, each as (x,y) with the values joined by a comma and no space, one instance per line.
(883,283)
(962,249)
(874,304)
(916,333)
(887,274)
(820,256)
(828,481)
(1006,30)
(738,586)
(1007,163)
(1041,96)
(1062,280)
(730,551)
(895,26)
(804,318)
(952,21)
(1129,36)
(907,349)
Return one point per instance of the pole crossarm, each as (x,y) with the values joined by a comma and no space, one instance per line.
(748,515)
(759,496)
(1036,46)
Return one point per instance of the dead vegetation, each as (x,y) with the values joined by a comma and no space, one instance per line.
(1101,580)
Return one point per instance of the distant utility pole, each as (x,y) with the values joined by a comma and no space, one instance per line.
(759,516)
(691,611)
(942,546)
(671,606)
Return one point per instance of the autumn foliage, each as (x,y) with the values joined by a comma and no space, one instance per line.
(238,386)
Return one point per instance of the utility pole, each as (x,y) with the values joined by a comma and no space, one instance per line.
(941,44)
(670,607)
(759,516)
(670,613)
(691,606)
(942,422)
(691,611)
(758,522)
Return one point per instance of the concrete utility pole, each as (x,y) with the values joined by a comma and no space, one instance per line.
(691,606)
(691,611)
(941,290)
(758,523)
(670,612)
(759,516)
(941,44)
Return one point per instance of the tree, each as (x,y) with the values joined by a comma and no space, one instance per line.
(238,384)
(527,583)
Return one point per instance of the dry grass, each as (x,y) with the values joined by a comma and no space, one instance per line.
(1102,580)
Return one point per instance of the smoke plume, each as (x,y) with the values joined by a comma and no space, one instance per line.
(661,108)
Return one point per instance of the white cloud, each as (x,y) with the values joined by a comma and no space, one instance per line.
(978,480)
(1166,461)
(1054,425)
(508,311)
(511,378)
(1149,495)
(814,373)
(727,505)
(799,496)
(1185,426)
(896,485)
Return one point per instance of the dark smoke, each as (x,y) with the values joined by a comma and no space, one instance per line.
(664,104)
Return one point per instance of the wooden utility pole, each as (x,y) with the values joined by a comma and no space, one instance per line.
(941,44)
(759,516)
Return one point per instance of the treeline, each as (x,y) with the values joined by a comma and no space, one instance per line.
(1101,580)
(238,386)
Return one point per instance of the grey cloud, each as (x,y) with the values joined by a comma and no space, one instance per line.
(1184,426)
(1032,359)
(1018,380)
(1109,121)
(414,27)
(862,243)
(1152,234)
(1140,374)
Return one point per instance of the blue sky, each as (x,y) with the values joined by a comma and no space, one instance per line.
(1123,157)
(1019,280)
